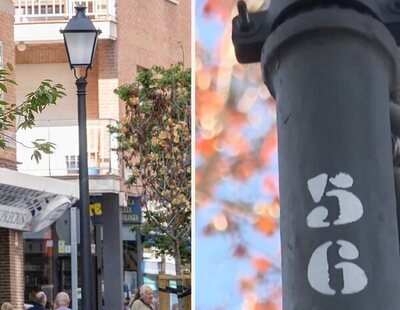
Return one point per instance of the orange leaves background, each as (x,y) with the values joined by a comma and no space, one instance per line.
(266,225)
(236,144)
(220,8)
(262,265)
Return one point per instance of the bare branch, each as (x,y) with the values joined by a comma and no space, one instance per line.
(16,141)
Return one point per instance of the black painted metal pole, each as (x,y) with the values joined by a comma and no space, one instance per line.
(139,253)
(333,72)
(86,262)
(139,246)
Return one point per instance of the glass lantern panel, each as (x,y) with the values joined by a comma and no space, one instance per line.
(80,47)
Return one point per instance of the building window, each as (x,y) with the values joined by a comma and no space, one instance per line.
(72,162)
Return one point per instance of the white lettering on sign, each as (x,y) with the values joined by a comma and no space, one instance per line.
(354,278)
(317,186)
(350,211)
(318,270)
(15,218)
(317,217)
(350,207)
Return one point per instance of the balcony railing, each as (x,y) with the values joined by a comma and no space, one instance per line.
(65,160)
(55,10)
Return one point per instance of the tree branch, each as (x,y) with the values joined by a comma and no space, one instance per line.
(183,232)
(16,141)
(161,226)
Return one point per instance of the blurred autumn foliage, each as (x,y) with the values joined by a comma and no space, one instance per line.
(155,143)
(236,147)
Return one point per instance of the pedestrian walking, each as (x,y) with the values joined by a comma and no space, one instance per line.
(155,303)
(145,297)
(6,306)
(62,301)
(40,301)
(135,297)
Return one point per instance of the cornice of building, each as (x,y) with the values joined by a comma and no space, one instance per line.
(7,6)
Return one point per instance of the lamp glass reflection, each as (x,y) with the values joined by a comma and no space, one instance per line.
(80,47)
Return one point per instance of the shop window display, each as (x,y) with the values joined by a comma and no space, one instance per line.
(48,261)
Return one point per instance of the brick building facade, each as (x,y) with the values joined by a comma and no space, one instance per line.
(7,156)
(11,240)
(11,245)
(164,41)
(11,268)
(152,32)
(136,34)
(55,54)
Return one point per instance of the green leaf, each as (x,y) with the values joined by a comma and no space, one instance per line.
(3,88)
(46,84)
(11,81)
(10,67)
(37,156)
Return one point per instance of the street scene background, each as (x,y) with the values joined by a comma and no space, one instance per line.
(142,56)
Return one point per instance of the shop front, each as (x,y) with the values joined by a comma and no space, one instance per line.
(51,261)
(30,205)
(47,256)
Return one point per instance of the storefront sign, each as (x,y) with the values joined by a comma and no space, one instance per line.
(95,209)
(61,246)
(15,218)
(96,212)
(129,218)
(32,203)
(136,209)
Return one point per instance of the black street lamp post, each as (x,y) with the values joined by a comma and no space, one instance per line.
(80,38)
(333,68)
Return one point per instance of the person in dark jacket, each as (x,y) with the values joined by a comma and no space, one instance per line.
(40,301)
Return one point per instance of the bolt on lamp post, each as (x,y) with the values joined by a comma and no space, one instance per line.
(80,38)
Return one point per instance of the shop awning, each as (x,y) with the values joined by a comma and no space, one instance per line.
(32,203)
